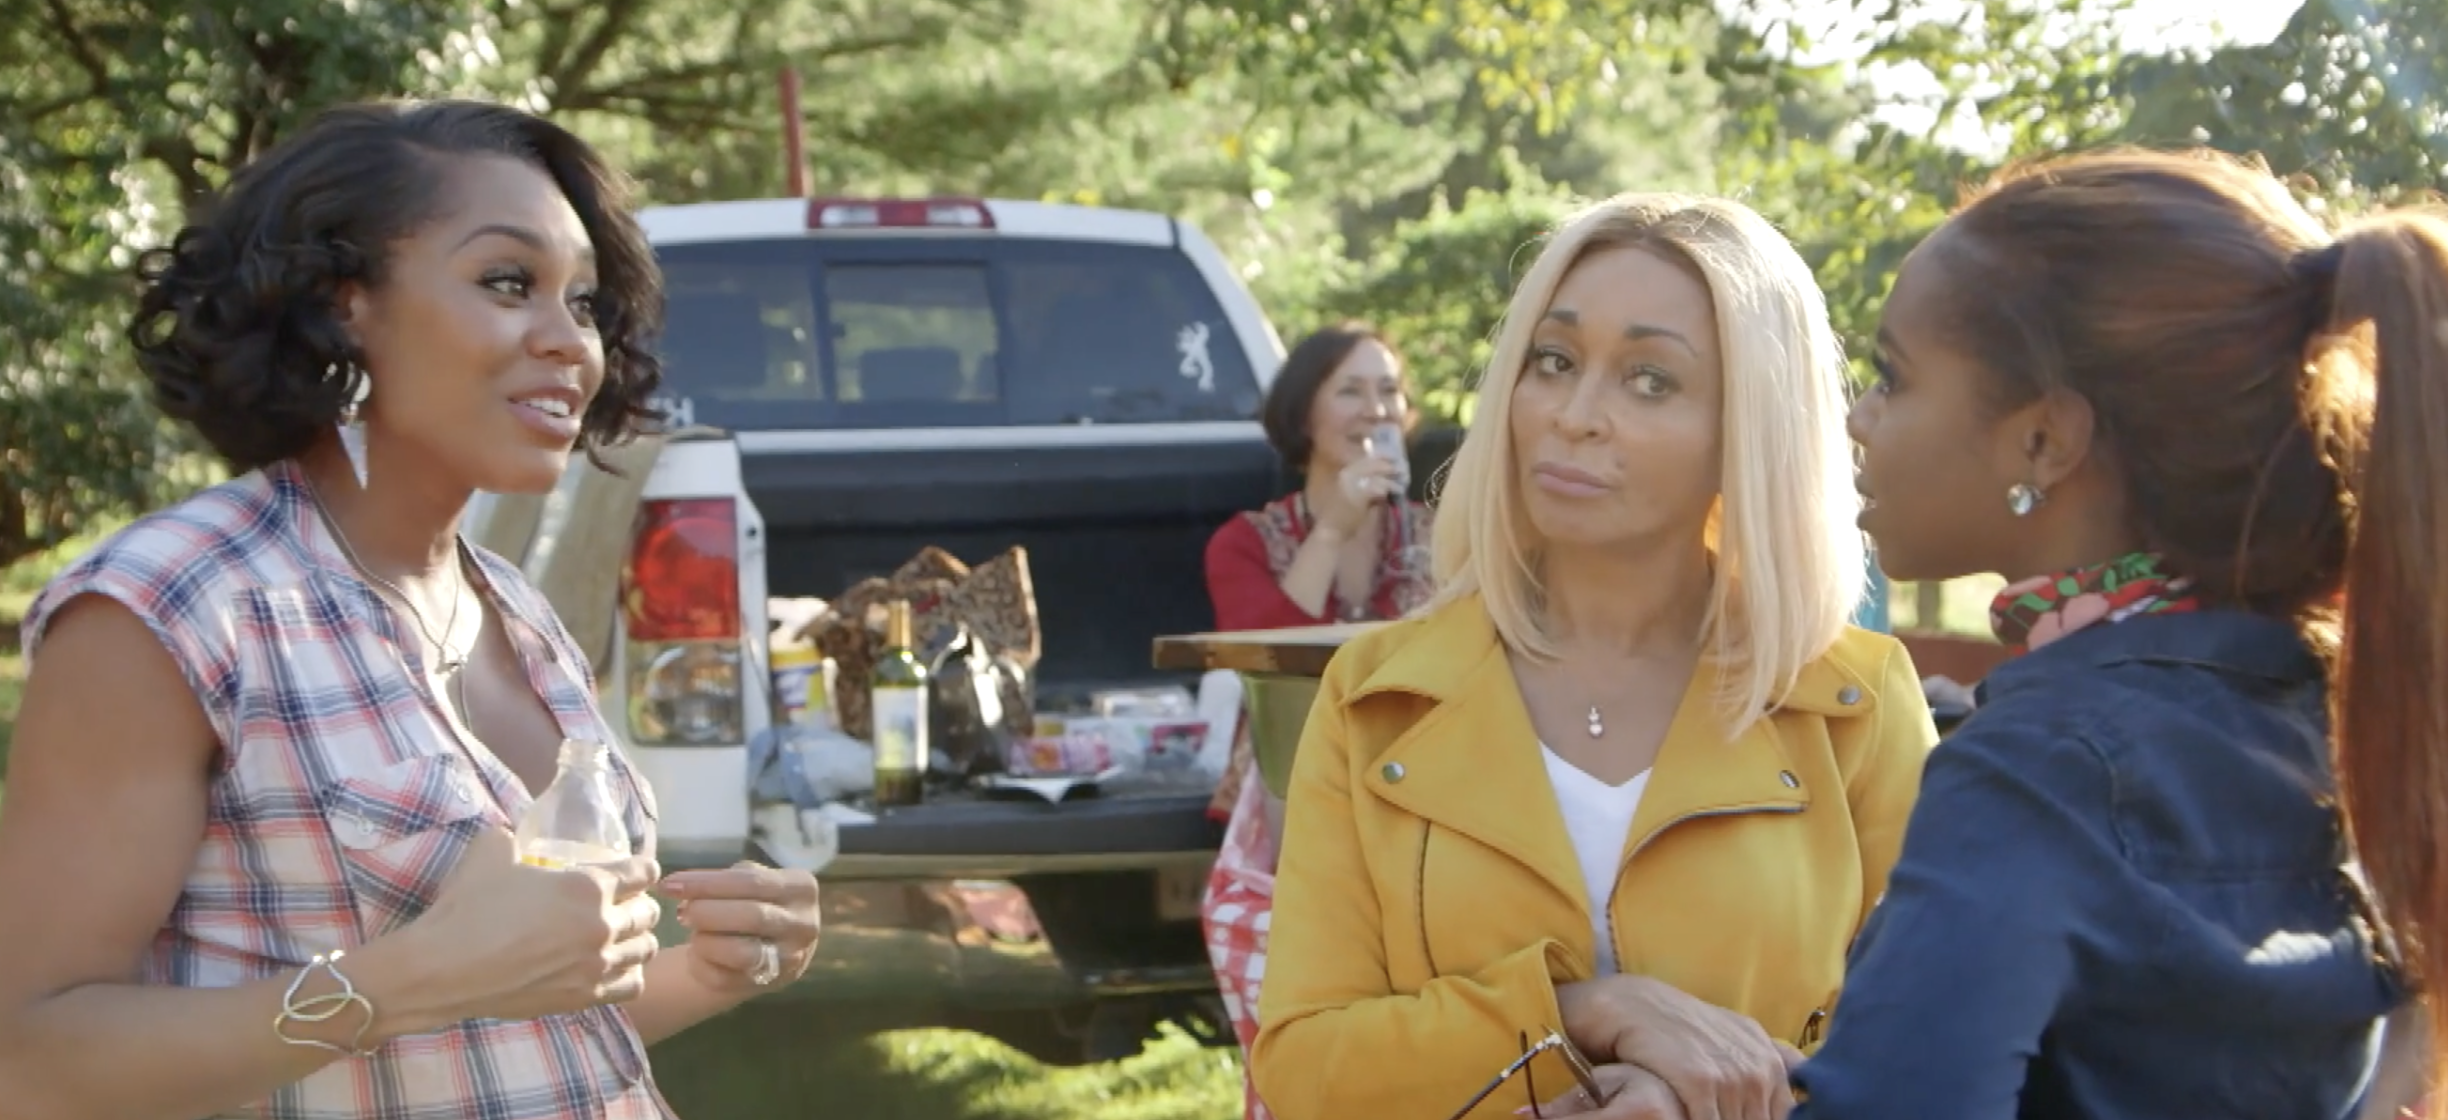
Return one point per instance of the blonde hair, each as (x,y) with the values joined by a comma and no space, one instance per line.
(1790,563)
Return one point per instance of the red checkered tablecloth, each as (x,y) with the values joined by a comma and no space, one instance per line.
(1240,900)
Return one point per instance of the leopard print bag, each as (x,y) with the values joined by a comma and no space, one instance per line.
(994,603)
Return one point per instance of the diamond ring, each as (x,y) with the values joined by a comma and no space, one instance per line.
(769,964)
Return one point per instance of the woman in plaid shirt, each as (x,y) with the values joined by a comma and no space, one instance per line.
(257,843)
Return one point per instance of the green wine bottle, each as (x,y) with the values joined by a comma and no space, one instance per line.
(898,688)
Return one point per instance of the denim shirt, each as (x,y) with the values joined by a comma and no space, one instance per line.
(2124,893)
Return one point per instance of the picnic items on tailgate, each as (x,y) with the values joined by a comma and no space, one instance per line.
(965,706)
(992,607)
(808,766)
(802,675)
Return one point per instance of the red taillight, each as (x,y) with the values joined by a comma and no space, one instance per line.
(883,213)
(683,582)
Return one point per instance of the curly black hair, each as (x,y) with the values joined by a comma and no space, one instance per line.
(236,324)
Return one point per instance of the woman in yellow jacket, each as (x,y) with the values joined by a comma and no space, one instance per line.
(1631,777)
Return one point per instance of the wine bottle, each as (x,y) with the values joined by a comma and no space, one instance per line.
(577,819)
(898,691)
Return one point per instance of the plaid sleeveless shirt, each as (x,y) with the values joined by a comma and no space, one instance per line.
(341,798)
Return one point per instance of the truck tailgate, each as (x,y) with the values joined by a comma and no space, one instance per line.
(992,829)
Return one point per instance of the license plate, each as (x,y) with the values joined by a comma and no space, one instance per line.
(1177,893)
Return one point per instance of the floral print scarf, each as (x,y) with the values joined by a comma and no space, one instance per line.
(1403,580)
(2032,613)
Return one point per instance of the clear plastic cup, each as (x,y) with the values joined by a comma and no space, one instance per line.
(1386,442)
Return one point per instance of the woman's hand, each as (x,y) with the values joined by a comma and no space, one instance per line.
(1361,486)
(1721,1065)
(529,942)
(1632,1093)
(733,915)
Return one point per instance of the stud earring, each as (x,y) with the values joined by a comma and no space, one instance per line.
(2023,497)
(352,419)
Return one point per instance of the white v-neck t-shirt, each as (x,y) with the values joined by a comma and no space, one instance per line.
(1598,817)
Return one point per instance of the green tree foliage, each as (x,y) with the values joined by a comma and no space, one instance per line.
(1391,160)
(1857,187)
(685,92)
(117,115)
(73,441)
(1439,284)
(2349,96)
(114,116)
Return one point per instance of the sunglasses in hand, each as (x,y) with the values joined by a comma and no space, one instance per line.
(1555,1040)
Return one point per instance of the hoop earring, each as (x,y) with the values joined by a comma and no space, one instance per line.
(352,419)
(2023,497)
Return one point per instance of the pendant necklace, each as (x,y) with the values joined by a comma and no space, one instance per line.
(449,663)
(1597,725)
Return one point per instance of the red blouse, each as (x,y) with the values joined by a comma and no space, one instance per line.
(1246,560)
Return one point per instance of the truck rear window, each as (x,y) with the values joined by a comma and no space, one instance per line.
(944,332)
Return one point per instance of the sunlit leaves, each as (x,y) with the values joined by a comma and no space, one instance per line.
(114,114)
(1538,58)
(2349,95)
(1388,159)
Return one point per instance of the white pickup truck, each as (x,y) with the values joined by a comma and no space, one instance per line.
(852,380)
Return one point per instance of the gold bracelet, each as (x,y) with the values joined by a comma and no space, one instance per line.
(322,1009)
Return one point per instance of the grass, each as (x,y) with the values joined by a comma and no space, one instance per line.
(779,1062)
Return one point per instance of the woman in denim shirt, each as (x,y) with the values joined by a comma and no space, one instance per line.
(2142,385)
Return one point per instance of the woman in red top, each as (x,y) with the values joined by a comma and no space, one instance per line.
(1348,546)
